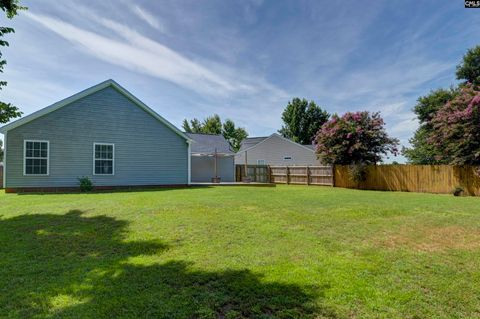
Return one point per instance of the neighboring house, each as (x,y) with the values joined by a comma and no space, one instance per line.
(104,133)
(210,153)
(275,150)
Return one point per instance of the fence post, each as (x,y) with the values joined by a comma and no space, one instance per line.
(333,175)
(269,174)
(288,174)
(308,175)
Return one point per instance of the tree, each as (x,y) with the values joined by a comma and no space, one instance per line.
(210,125)
(456,127)
(354,138)
(469,68)
(302,120)
(234,135)
(1,150)
(194,127)
(421,150)
(10,7)
(213,125)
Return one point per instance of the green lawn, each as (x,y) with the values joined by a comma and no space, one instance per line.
(233,252)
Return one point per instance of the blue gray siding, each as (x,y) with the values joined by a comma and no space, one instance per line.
(147,152)
(203,168)
(274,149)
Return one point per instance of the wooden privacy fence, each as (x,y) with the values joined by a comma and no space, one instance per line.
(257,173)
(413,178)
(307,175)
(407,178)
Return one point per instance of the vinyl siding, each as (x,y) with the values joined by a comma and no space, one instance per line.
(274,149)
(203,169)
(147,152)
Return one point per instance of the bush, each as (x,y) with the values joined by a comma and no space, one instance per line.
(358,137)
(358,172)
(86,184)
(457,191)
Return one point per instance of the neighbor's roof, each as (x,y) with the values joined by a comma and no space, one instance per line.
(207,143)
(310,146)
(87,92)
(252,142)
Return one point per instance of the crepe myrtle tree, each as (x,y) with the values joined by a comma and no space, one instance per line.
(355,138)
(456,128)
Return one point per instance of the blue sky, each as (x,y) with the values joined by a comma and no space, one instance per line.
(242,59)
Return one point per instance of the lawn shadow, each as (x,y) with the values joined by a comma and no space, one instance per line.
(126,189)
(76,266)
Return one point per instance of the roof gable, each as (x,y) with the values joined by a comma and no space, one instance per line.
(275,135)
(251,141)
(87,92)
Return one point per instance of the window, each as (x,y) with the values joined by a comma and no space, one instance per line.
(35,157)
(260,162)
(103,157)
(287,158)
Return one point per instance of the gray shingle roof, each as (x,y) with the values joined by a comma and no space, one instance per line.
(251,141)
(206,144)
(310,146)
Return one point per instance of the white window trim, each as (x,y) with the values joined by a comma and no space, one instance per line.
(264,162)
(25,157)
(113,158)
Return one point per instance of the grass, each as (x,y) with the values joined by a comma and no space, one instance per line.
(234,252)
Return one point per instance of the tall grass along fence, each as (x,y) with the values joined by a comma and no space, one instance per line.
(413,178)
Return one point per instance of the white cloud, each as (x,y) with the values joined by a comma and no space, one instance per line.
(148,18)
(234,93)
(141,55)
(406,126)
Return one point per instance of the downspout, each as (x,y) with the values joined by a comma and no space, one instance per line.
(189,153)
(5,160)
(216,170)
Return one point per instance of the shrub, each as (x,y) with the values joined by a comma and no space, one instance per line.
(86,184)
(358,172)
(457,191)
(354,138)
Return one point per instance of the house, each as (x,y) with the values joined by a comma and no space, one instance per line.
(275,150)
(104,133)
(211,157)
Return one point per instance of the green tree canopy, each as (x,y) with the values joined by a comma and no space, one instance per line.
(302,120)
(10,7)
(1,151)
(469,68)
(213,125)
(234,135)
(422,151)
